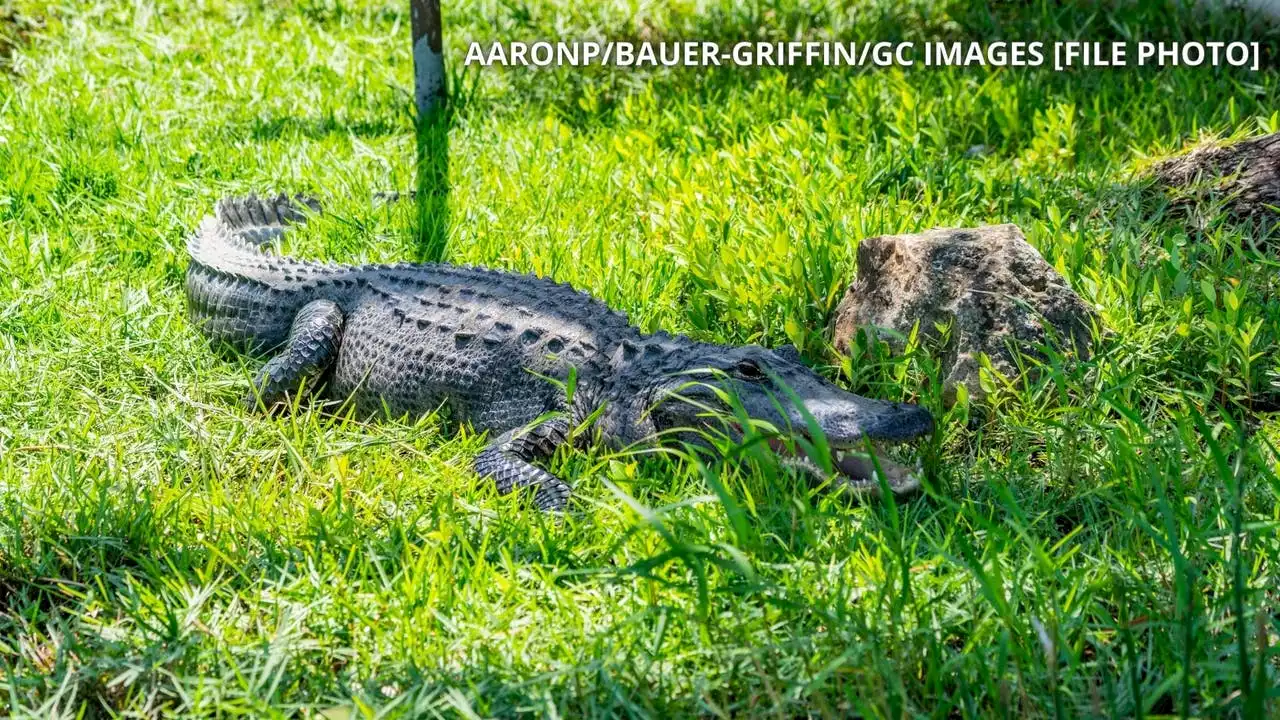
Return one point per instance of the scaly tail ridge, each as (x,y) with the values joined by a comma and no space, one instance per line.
(256,221)
(229,242)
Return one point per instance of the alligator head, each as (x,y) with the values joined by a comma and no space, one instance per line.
(776,388)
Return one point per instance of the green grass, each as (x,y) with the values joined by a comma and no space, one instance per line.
(1098,541)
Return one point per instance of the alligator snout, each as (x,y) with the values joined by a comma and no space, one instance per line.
(899,422)
(869,441)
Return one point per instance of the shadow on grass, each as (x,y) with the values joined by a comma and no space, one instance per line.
(315,128)
(433,186)
(16,30)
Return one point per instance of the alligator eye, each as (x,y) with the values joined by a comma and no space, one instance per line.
(748,370)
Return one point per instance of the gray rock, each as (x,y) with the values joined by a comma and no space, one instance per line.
(987,283)
(1245,176)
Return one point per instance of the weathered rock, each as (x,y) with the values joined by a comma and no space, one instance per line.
(987,283)
(1246,176)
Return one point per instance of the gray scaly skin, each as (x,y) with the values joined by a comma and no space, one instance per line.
(496,349)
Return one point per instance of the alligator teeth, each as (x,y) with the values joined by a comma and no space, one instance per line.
(860,468)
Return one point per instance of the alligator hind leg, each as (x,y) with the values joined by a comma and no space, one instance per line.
(509,461)
(310,350)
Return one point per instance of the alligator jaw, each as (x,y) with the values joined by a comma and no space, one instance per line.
(855,469)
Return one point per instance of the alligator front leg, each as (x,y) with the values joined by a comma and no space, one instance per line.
(310,350)
(509,461)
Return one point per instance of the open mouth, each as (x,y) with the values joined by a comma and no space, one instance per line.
(861,469)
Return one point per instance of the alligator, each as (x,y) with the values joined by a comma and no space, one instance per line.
(523,358)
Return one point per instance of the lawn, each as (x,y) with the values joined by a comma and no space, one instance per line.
(1097,540)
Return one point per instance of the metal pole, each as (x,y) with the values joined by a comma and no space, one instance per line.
(428,55)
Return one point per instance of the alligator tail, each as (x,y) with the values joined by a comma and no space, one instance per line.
(231,240)
(256,221)
(242,296)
